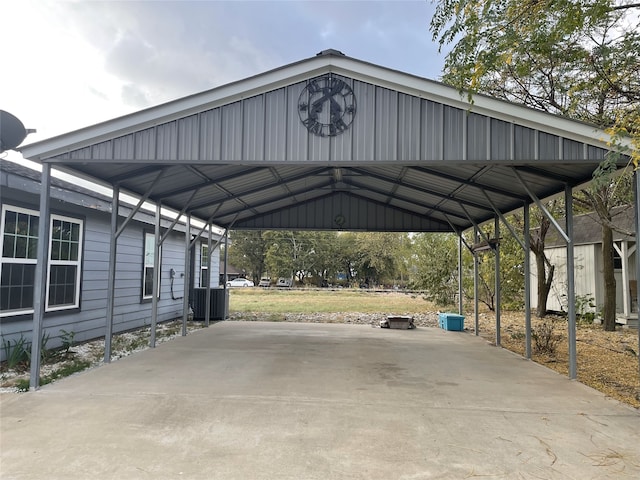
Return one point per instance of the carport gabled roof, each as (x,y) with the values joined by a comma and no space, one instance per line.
(414,154)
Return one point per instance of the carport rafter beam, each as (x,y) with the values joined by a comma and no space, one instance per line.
(178,216)
(210,182)
(469,183)
(117,179)
(445,212)
(201,231)
(477,227)
(411,186)
(504,220)
(283,184)
(263,203)
(350,194)
(143,199)
(545,174)
(396,184)
(261,188)
(458,232)
(542,208)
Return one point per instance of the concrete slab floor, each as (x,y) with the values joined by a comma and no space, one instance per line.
(252,400)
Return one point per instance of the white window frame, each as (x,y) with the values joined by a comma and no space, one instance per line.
(145,265)
(32,261)
(204,271)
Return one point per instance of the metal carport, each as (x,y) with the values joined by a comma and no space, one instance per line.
(332,142)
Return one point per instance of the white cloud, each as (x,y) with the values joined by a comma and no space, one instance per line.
(75,63)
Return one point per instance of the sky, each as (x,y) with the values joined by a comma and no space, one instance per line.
(71,64)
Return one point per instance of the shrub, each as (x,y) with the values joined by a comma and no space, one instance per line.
(16,354)
(545,340)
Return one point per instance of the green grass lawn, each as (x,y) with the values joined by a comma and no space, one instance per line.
(276,301)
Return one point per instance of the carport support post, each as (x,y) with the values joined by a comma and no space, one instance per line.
(475,284)
(571,291)
(187,276)
(207,303)
(111,285)
(226,255)
(636,177)
(460,303)
(40,280)
(497,288)
(527,282)
(155,288)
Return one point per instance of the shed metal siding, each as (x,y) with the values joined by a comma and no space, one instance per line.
(587,277)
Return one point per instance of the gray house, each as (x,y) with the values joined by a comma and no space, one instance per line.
(77,268)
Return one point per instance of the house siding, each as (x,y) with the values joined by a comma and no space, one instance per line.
(130,311)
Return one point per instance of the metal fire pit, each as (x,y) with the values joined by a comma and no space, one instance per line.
(401,322)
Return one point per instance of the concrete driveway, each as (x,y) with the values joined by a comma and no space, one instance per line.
(245,400)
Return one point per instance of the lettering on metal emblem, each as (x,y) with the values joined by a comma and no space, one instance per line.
(327,106)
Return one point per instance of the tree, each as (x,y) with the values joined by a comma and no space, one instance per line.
(568,57)
(378,256)
(247,252)
(436,259)
(303,254)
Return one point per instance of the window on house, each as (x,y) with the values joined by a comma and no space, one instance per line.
(204,270)
(19,243)
(617,260)
(147,274)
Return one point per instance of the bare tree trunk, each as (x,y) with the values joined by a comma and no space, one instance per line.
(544,269)
(609,308)
(544,283)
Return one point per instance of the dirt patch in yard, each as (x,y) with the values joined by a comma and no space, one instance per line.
(606,361)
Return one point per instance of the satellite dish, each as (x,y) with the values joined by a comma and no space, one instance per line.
(12,131)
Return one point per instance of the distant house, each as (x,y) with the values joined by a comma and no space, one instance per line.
(589,283)
(230,271)
(78,264)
